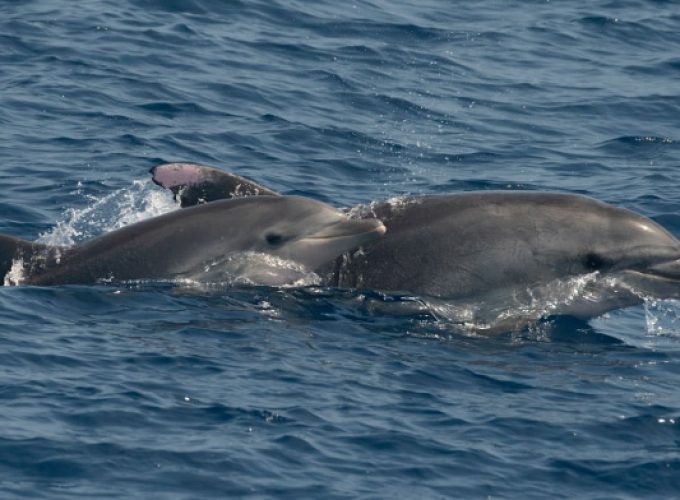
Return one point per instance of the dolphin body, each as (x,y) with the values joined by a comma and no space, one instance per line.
(242,238)
(510,250)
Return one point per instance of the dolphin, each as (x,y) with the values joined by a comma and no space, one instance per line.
(539,252)
(234,239)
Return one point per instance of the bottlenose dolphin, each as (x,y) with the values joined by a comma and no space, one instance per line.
(227,239)
(508,249)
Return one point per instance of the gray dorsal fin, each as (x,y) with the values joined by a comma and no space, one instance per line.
(194,184)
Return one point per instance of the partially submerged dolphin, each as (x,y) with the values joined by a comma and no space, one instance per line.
(233,238)
(510,249)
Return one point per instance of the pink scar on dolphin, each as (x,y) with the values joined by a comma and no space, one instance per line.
(169,175)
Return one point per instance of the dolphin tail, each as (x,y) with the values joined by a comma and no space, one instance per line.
(194,184)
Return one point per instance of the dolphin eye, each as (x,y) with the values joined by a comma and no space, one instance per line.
(595,262)
(273,238)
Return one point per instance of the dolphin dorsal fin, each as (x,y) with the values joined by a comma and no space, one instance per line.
(194,184)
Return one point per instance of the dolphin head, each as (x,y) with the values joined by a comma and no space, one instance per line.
(269,240)
(309,232)
(616,241)
(627,257)
(643,256)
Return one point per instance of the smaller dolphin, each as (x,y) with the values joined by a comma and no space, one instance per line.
(233,238)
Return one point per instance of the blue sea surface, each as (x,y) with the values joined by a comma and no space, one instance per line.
(157,391)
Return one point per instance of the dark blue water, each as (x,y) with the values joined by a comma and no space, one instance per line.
(159,392)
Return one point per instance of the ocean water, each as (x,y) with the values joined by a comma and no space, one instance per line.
(160,391)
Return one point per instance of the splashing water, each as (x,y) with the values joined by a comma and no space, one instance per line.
(662,318)
(511,309)
(364,211)
(141,200)
(252,268)
(15,275)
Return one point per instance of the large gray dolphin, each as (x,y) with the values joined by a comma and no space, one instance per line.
(507,248)
(234,238)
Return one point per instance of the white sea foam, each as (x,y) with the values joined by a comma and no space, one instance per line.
(141,200)
(368,210)
(15,275)
(662,318)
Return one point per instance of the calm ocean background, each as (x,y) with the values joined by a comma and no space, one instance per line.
(159,392)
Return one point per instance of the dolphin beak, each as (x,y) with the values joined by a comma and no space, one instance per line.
(661,281)
(669,270)
(333,239)
(362,230)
